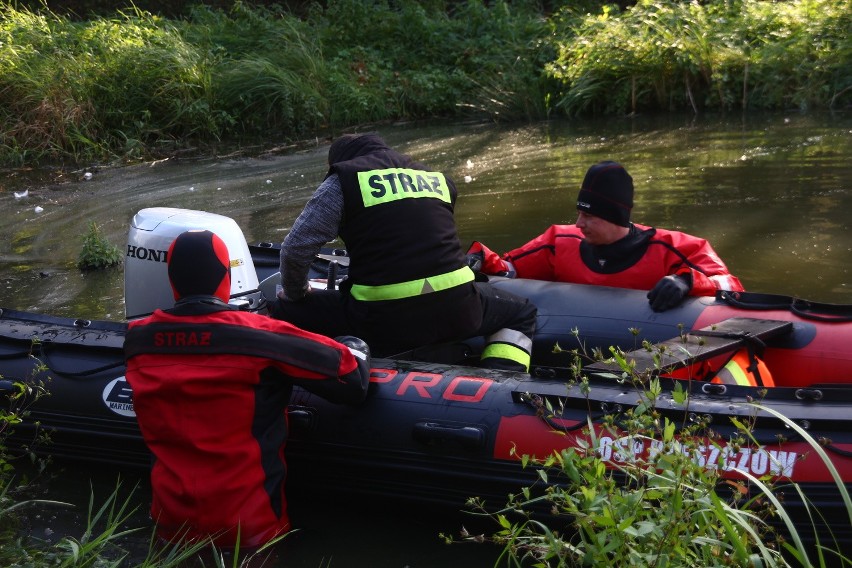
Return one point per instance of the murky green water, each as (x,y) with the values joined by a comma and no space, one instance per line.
(773,193)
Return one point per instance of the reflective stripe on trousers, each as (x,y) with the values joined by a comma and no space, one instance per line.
(507,349)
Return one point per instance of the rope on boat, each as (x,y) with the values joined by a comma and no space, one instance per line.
(85,373)
(805,309)
(838,451)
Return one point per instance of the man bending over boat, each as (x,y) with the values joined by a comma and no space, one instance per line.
(408,283)
(210,388)
(605,248)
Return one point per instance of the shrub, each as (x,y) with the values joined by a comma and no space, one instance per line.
(97,251)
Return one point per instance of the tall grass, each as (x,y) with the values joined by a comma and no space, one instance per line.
(827,553)
(267,71)
(133,85)
(105,88)
(722,55)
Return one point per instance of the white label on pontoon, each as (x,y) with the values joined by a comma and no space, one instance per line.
(119,398)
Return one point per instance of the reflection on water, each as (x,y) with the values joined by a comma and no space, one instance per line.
(771,192)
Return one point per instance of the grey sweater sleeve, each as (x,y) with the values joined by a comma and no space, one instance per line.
(317,225)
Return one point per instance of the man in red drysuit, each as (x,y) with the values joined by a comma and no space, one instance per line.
(604,248)
(210,388)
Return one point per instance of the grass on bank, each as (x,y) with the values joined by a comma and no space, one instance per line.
(746,54)
(135,85)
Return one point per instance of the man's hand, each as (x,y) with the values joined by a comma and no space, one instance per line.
(484,262)
(357,346)
(669,292)
(281,295)
(359,381)
(474,261)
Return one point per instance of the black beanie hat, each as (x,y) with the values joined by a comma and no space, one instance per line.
(199,265)
(351,146)
(607,192)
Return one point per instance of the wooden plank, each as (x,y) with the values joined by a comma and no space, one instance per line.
(708,342)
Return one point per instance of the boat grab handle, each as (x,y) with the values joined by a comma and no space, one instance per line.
(808,394)
(713,388)
(431,433)
(805,309)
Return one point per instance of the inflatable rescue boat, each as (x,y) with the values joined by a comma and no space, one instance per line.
(437,428)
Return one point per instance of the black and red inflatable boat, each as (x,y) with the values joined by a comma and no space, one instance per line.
(437,428)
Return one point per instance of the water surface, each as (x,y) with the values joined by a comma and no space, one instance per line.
(770,192)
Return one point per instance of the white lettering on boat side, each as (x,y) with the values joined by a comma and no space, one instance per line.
(758,461)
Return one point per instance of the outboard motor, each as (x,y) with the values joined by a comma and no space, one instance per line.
(146,278)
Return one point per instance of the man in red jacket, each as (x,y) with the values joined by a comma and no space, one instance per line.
(210,388)
(604,248)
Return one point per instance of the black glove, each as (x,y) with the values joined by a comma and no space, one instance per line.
(357,346)
(474,261)
(357,382)
(669,292)
(361,351)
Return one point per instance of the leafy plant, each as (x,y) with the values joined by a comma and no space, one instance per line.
(19,396)
(97,251)
(665,55)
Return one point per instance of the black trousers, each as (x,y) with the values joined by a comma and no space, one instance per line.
(393,326)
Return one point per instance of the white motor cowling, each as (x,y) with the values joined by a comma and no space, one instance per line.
(152,231)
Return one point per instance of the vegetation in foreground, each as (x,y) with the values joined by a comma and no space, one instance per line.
(663,507)
(135,85)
